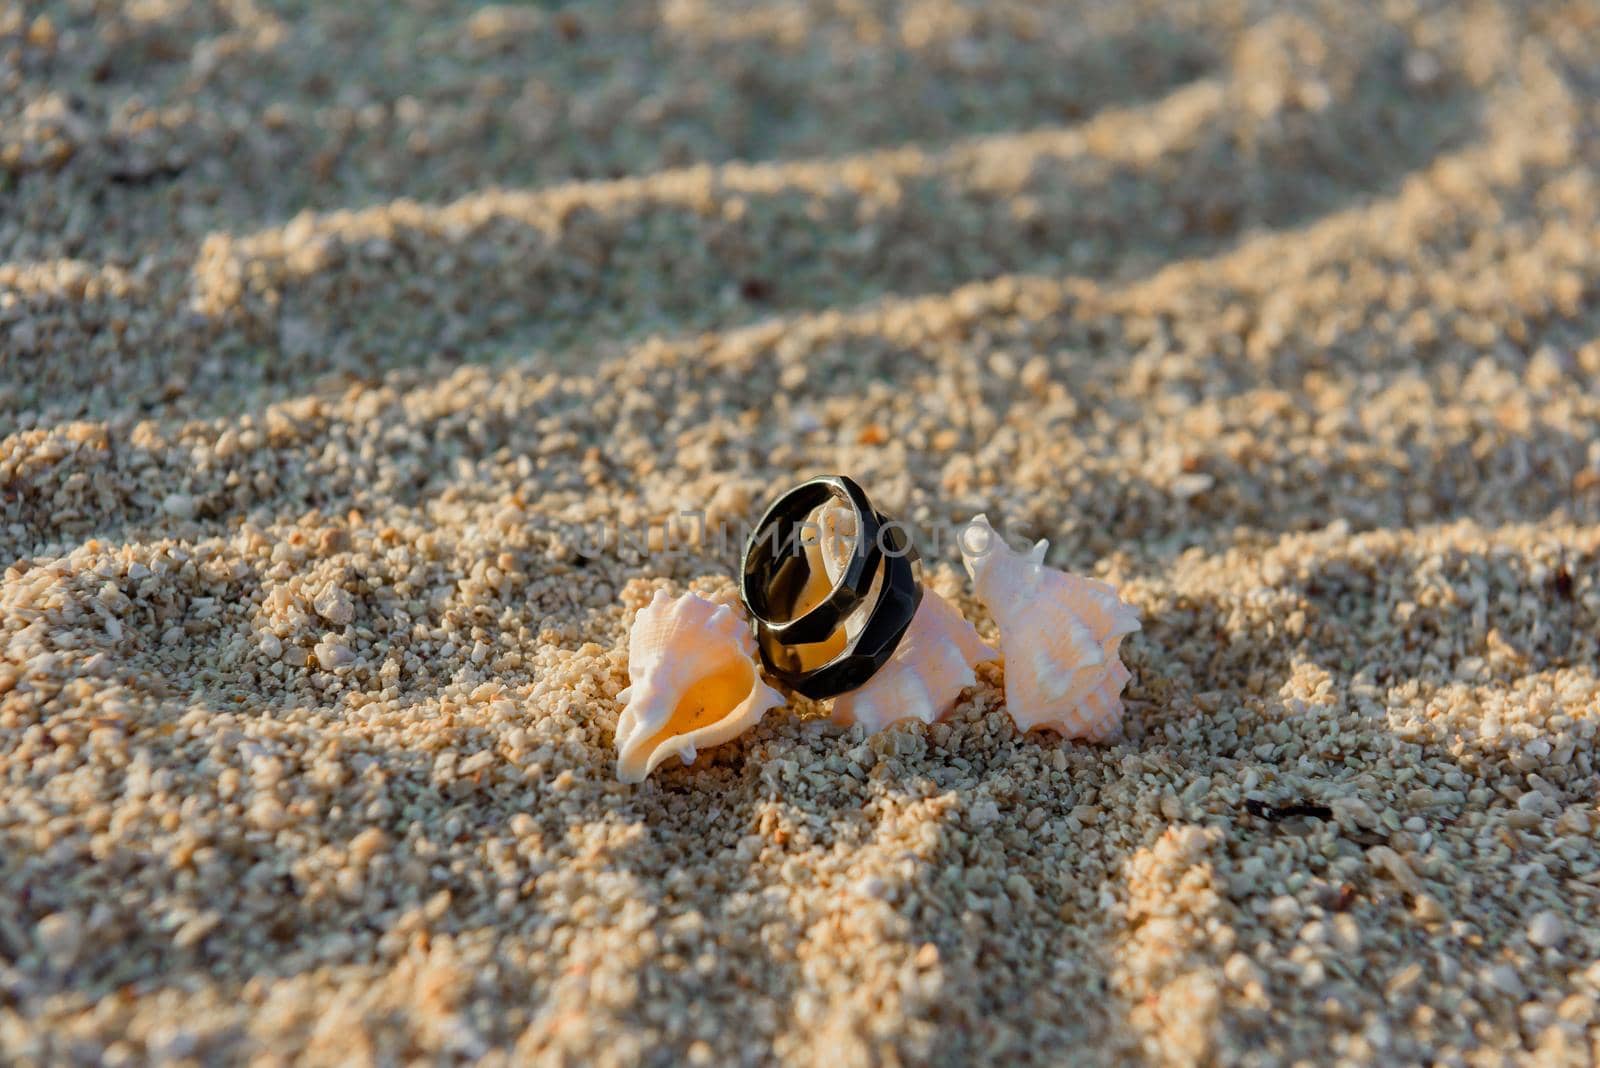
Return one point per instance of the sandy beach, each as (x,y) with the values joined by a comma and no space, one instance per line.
(331,333)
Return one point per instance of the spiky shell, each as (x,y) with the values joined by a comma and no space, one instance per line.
(1060,635)
(931,666)
(693,683)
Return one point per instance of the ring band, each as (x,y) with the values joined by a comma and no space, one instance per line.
(775,561)
(771,574)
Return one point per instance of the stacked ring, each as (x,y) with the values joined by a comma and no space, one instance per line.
(775,570)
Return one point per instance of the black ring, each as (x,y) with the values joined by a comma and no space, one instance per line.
(774,570)
(775,560)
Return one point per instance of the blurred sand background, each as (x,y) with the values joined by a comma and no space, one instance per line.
(318,322)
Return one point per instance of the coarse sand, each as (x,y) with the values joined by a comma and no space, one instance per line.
(331,333)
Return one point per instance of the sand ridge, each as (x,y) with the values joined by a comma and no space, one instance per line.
(326,333)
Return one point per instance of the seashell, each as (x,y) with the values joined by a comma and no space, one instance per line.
(1059,634)
(933,662)
(694,683)
(835,544)
(927,672)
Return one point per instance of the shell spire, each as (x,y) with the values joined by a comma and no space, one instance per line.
(693,683)
(1060,635)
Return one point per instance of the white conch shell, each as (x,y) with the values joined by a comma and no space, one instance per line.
(930,667)
(1059,634)
(693,683)
(933,662)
